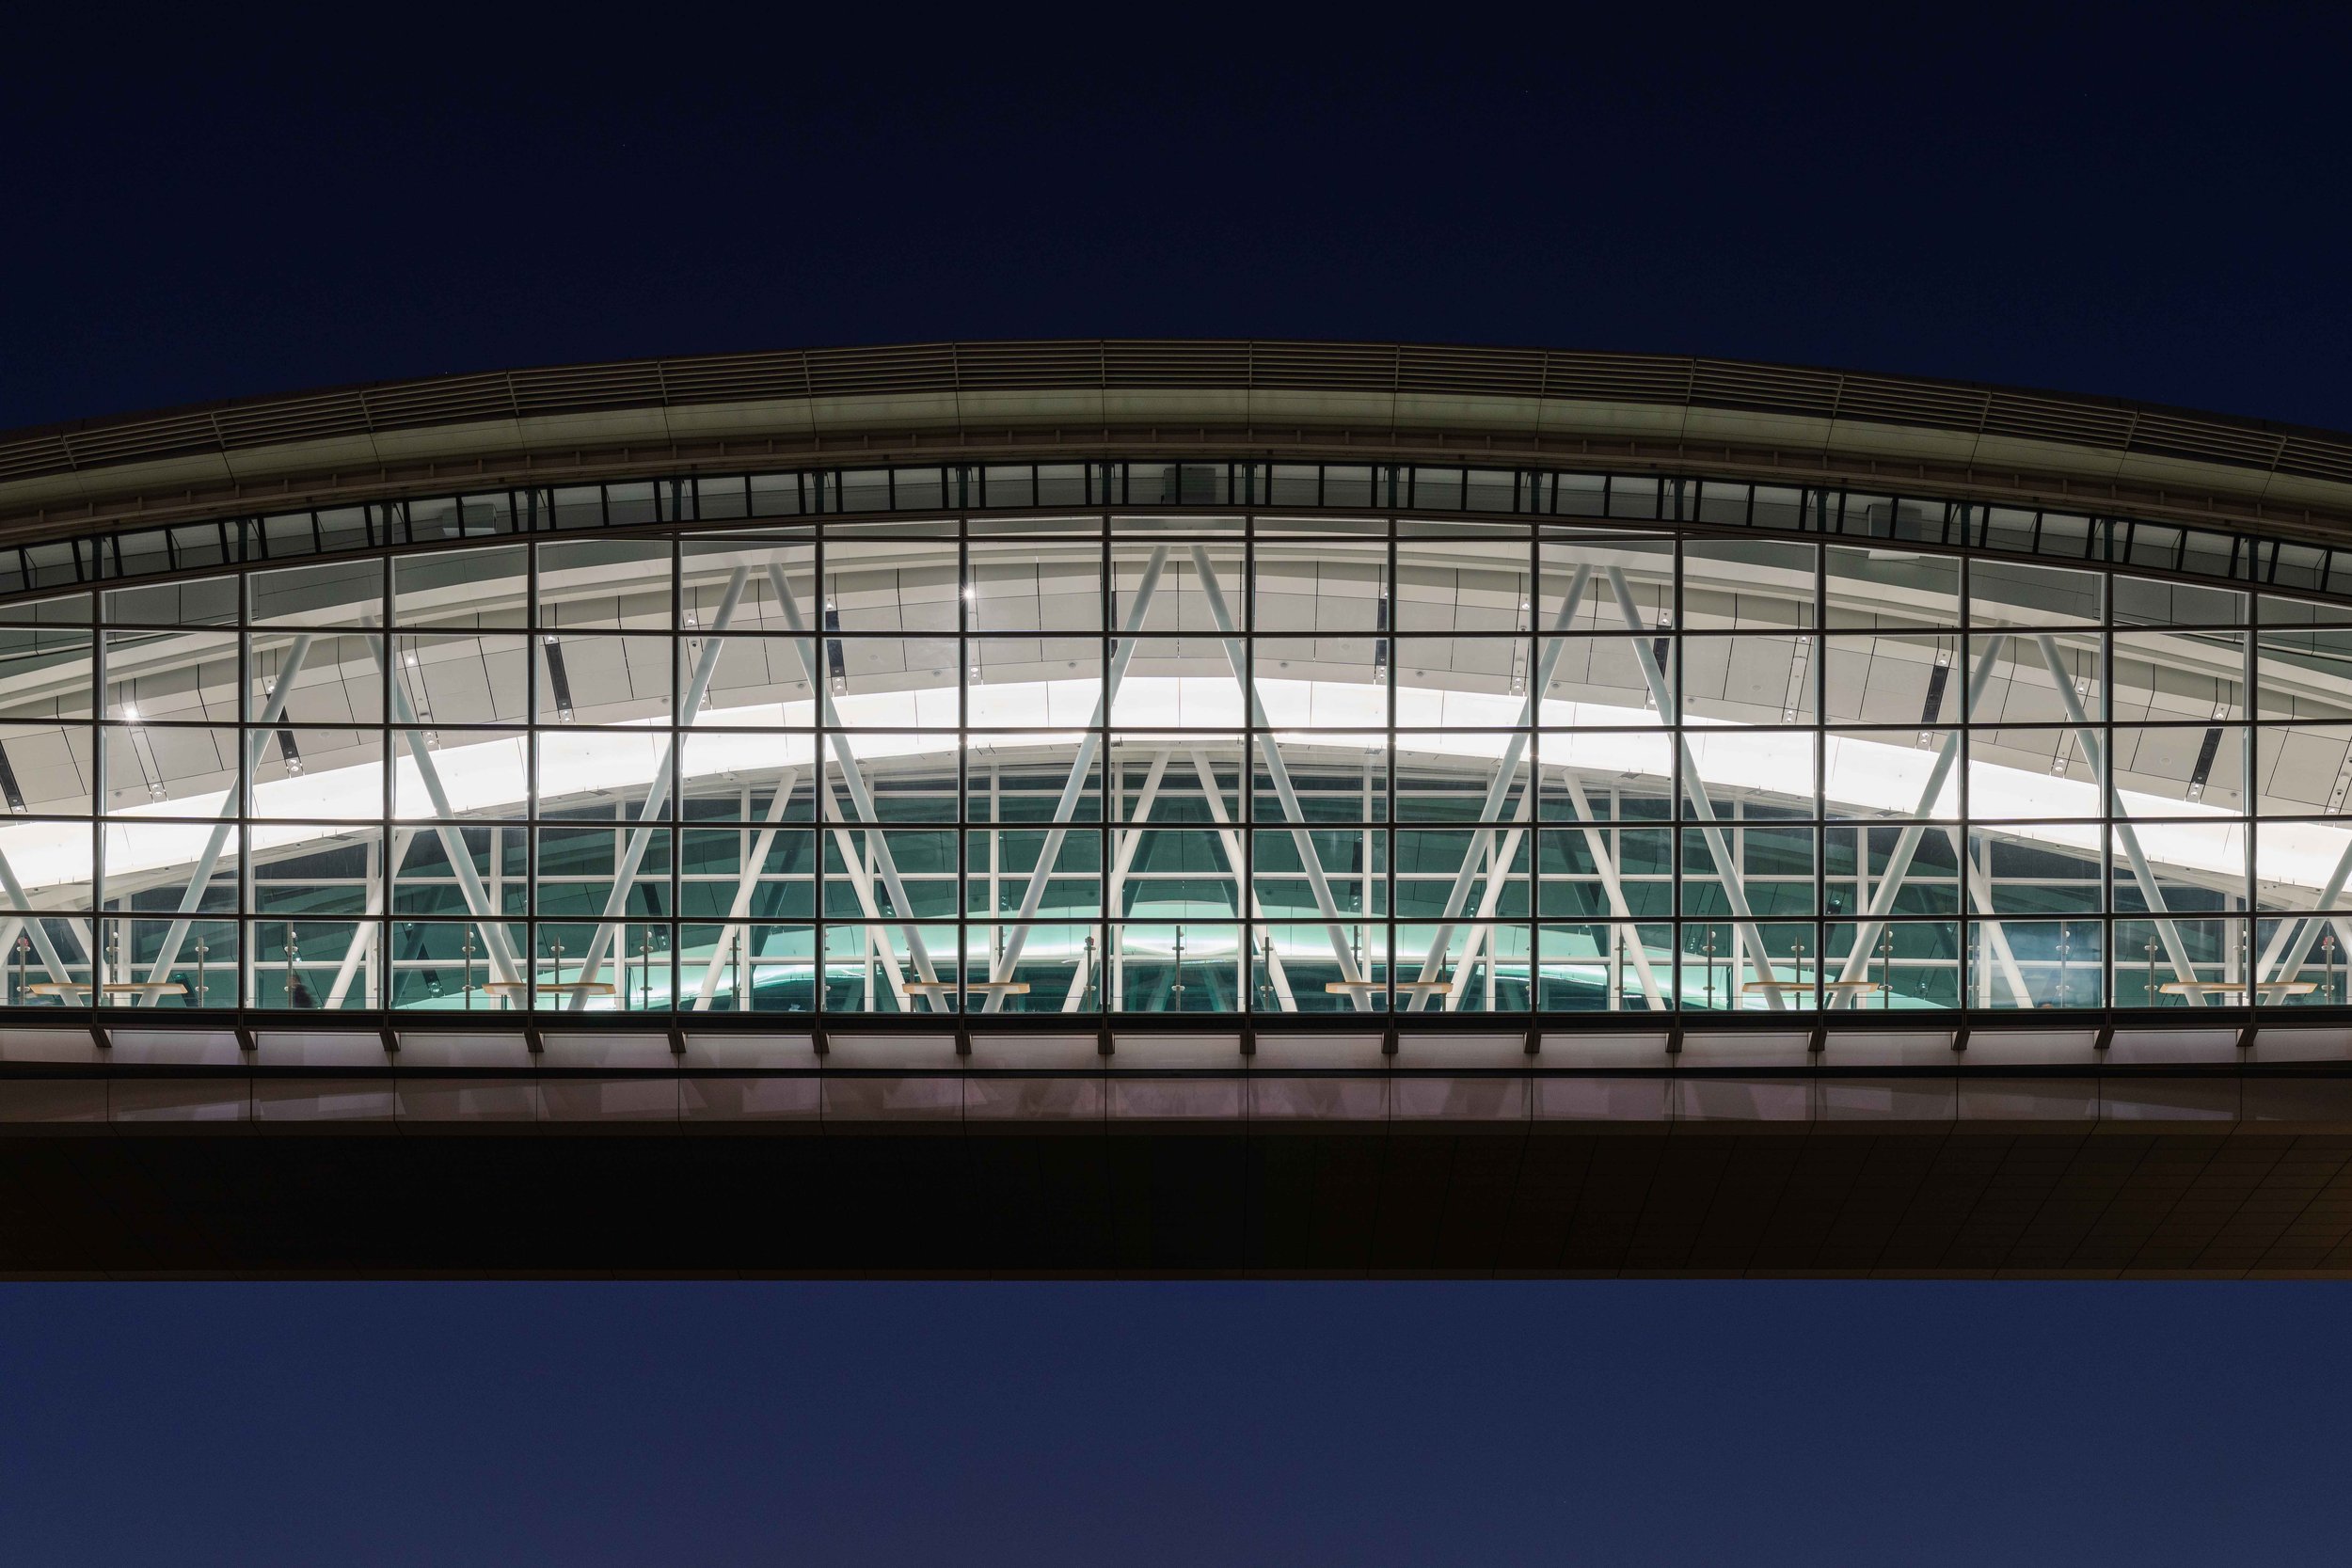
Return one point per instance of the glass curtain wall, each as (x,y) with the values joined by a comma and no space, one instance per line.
(1117,762)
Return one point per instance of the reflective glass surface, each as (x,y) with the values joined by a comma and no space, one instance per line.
(1112,760)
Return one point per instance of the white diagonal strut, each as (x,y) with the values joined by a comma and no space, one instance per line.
(1482,929)
(1996,938)
(1229,842)
(2293,941)
(1301,834)
(1499,789)
(1124,857)
(658,792)
(2095,753)
(355,954)
(451,834)
(747,885)
(853,780)
(853,865)
(1613,882)
(34,928)
(1073,788)
(1907,844)
(257,744)
(1726,866)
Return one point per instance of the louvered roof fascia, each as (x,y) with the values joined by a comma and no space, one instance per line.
(1489,372)
(2105,427)
(2311,458)
(445,399)
(1911,403)
(288,420)
(736,378)
(1176,362)
(581,388)
(834,373)
(1620,378)
(137,441)
(999,367)
(1429,371)
(1324,367)
(1774,388)
(2205,440)
(35,455)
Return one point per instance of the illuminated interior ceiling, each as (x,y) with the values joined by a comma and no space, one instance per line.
(1461,652)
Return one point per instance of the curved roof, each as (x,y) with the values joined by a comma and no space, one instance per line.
(1076,398)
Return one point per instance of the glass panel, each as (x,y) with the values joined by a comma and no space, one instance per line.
(605,584)
(455,680)
(1890,590)
(45,674)
(206,602)
(2160,676)
(2036,963)
(2012,594)
(339,594)
(461,773)
(1900,774)
(2024,774)
(449,590)
(603,680)
(47,769)
(2177,770)
(2302,769)
(1322,778)
(2036,870)
(1894,680)
(2145,602)
(2190,867)
(1901,965)
(1457,586)
(1749,680)
(1036,588)
(336,679)
(1191,967)
(1747,585)
(2031,676)
(318,774)
(1606,582)
(1602,775)
(2304,675)
(1606,681)
(166,677)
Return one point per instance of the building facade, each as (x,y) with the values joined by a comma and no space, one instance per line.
(1178,732)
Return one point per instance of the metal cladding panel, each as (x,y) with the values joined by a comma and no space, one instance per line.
(1424,370)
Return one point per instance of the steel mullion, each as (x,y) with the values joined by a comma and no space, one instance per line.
(812,665)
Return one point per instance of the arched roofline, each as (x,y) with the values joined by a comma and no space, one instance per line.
(1080,398)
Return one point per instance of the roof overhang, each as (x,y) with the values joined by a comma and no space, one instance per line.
(978,402)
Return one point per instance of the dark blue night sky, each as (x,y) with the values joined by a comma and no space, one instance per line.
(2143,204)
